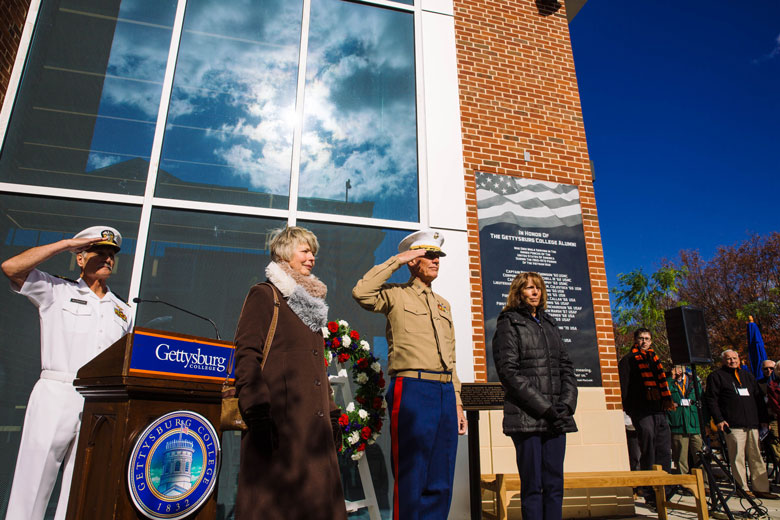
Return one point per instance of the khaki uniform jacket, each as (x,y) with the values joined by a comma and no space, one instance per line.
(420,335)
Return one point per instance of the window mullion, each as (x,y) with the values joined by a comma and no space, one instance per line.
(422,156)
(154,159)
(295,167)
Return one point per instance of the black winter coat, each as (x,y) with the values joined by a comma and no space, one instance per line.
(724,402)
(535,370)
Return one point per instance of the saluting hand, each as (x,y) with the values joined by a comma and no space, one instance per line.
(408,256)
(78,245)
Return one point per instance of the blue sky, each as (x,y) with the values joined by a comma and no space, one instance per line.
(682,114)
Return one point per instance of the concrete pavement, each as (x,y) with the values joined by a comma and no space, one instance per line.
(737,506)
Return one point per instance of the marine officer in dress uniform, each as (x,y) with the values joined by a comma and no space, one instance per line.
(426,415)
(79,319)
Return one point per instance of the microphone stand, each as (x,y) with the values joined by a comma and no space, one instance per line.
(157,300)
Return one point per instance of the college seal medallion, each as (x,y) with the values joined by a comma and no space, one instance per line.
(174,465)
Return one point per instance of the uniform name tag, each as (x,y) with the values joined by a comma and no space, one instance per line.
(685,402)
(743,392)
(80,302)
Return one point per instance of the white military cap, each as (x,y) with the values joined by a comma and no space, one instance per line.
(111,237)
(427,239)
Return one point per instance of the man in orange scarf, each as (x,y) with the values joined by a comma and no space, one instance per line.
(646,398)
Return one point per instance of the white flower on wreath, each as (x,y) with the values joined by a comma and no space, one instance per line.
(361,378)
(354,437)
(362,413)
(364,344)
(329,354)
(343,323)
(351,407)
(357,455)
(325,332)
(384,403)
(376,367)
(346,341)
(374,437)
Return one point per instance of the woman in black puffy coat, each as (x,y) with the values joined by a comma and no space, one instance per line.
(540,394)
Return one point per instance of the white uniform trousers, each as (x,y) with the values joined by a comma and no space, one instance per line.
(49,437)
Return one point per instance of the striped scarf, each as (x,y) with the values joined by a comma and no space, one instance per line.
(653,375)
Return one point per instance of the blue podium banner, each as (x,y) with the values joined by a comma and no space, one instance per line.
(157,354)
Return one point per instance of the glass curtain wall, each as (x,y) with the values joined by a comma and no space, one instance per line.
(196,127)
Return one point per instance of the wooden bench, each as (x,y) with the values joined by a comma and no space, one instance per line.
(500,484)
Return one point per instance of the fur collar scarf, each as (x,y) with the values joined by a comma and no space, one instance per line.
(305,295)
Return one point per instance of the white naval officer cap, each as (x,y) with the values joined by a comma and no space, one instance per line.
(111,237)
(427,239)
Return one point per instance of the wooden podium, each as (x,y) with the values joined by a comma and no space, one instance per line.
(120,401)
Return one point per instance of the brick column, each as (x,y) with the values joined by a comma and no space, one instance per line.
(518,93)
(13,13)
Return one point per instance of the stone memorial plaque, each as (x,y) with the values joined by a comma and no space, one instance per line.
(530,225)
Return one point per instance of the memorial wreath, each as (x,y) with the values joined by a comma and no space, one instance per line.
(361,420)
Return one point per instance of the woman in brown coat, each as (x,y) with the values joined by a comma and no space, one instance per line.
(288,468)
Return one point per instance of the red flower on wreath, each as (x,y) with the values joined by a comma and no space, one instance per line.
(379,424)
(354,335)
(381,382)
(343,357)
(365,432)
(360,399)
(362,447)
(336,343)
(377,403)
(333,326)
(344,419)
(362,362)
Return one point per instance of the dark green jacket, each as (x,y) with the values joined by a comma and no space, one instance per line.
(685,419)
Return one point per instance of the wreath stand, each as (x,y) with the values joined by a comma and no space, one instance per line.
(340,382)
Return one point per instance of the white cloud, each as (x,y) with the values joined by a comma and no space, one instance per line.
(240,88)
(97,161)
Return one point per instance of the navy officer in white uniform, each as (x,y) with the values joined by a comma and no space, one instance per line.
(79,319)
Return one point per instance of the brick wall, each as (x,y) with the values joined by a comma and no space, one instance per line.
(13,14)
(518,93)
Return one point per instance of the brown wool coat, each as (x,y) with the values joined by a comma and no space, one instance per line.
(301,479)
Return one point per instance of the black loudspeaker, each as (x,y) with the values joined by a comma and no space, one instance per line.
(687,335)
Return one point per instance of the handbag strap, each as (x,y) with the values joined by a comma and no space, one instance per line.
(269,338)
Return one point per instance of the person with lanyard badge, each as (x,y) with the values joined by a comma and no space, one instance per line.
(684,420)
(426,415)
(736,404)
(79,319)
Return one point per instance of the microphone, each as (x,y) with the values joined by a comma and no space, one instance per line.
(157,300)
